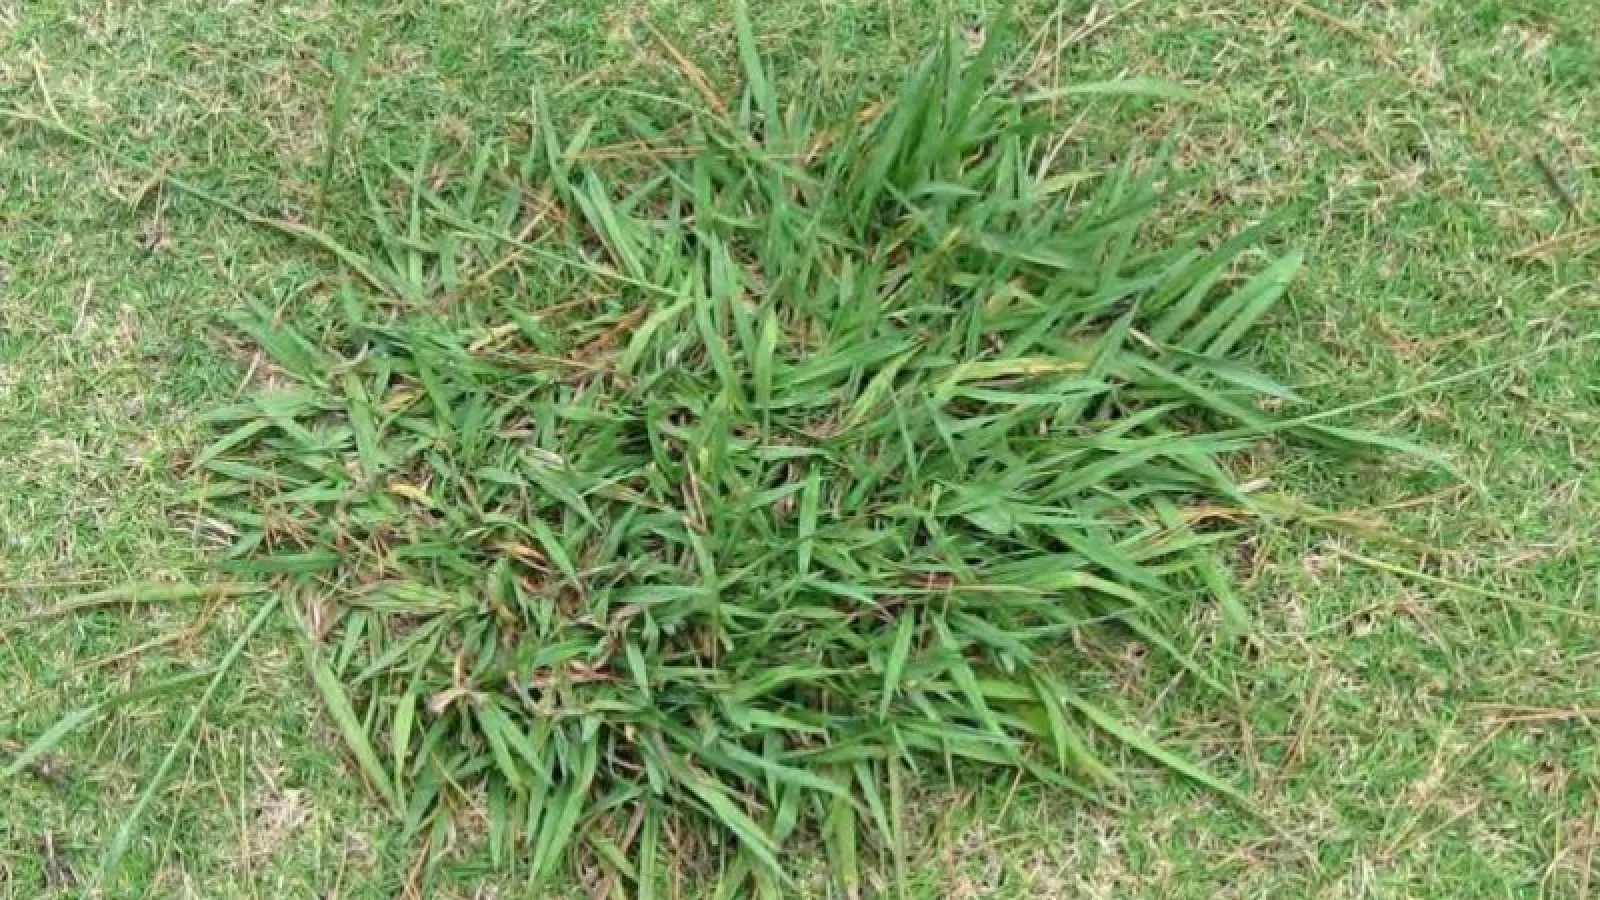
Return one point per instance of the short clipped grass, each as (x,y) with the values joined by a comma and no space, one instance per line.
(1423,739)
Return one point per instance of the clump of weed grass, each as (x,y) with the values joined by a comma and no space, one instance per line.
(835,434)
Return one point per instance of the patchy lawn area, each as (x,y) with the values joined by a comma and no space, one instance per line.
(1413,712)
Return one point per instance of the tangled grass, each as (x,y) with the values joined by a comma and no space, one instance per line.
(839,430)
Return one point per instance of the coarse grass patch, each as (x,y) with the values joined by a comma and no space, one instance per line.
(839,432)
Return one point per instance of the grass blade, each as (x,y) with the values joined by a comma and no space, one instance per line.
(349,70)
(112,859)
(353,732)
(1140,742)
(1121,87)
(46,742)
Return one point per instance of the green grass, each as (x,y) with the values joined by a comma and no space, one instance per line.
(840,430)
(1399,144)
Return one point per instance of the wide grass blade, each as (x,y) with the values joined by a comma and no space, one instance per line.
(1121,87)
(46,742)
(351,729)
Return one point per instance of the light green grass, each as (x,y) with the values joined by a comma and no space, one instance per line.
(1400,146)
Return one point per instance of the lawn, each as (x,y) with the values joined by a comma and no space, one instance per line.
(1411,712)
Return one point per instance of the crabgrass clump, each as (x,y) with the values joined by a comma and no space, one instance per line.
(834,434)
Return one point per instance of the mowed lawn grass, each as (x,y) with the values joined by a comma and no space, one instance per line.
(1411,713)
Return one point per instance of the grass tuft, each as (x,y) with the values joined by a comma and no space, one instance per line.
(843,426)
